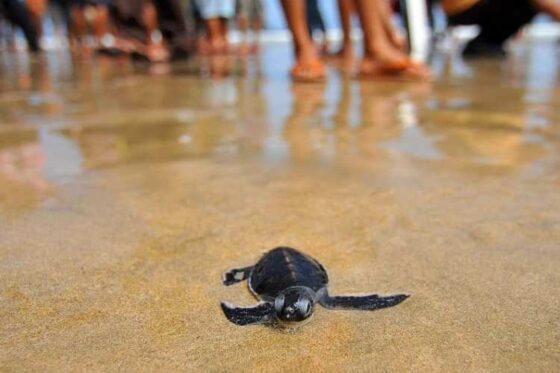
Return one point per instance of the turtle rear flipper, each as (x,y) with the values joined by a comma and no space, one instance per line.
(236,275)
(259,314)
(366,302)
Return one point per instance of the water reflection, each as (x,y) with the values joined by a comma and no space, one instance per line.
(22,182)
(94,114)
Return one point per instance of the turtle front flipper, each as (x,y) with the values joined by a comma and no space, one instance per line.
(366,302)
(236,275)
(259,314)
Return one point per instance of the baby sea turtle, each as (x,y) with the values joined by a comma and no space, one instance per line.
(289,285)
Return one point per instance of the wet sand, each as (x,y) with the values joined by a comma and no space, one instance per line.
(124,196)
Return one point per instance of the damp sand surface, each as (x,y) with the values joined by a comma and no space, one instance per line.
(125,192)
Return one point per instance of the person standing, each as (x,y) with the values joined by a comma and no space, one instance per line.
(383,56)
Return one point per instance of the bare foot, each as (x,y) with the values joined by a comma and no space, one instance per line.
(308,70)
(404,68)
(220,47)
(153,52)
(122,45)
(157,52)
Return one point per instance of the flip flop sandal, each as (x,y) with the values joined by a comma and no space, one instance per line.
(158,54)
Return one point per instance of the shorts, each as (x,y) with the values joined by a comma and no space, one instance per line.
(216,8)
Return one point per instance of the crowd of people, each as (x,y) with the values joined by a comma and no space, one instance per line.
(164,30)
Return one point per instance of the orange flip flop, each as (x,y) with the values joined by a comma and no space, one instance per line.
(313,71)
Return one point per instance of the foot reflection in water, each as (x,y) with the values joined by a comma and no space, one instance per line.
(118,116)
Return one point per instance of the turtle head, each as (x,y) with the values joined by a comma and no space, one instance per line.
(294,306)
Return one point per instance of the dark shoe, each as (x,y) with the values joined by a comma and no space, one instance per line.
(481,49)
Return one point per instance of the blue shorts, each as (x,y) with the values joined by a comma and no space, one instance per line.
(216,8)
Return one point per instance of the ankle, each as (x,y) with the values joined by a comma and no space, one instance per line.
(307,54)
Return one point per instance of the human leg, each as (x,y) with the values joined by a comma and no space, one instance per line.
(19,16)
(550,7)
(155,50)
(215,14)
(346,9)
(381,56)
(308,66)
(173,27)
(37,9)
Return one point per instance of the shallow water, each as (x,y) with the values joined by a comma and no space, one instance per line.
(125,192)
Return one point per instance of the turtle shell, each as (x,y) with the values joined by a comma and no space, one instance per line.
(284,267)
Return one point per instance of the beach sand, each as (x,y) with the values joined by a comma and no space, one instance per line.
(124,196)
